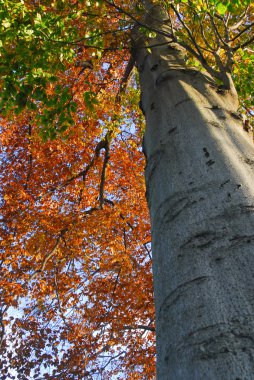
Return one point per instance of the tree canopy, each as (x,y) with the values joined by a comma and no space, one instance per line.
(76,282)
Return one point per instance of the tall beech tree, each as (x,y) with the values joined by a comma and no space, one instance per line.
(76,281)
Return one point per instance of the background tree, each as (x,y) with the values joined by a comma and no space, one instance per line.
(75,256)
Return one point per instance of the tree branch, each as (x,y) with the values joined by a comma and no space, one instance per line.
(189,33)
(30,158)
(103,173)
(243,45)
(125,77)
(59,302)
(138,327)
(138,22)
(49,255)
(240,20)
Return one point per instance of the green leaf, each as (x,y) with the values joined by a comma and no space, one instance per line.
(90,99)
(221,8)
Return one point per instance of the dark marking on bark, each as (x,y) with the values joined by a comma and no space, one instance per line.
(152,162)
(182,101)
(221,90)
(206,152)
(172,130)
(215,124)
(202,240)
(192,72)
(225,343)
(248,161)
(170,47)
(215,340)
(152,107)
(172,298)
(228,195)
(166,359)
(224,183)
(235,211)
(175,209)
(210,162)
(236,115)
(241,239)
(164,76)
(247,208)
(154,67)
(220,112)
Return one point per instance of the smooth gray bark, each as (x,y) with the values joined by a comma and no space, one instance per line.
(200,189)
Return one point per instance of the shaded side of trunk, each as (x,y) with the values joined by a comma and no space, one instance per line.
(200,189)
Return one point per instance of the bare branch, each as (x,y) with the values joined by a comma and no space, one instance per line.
(189,33)
(240,21)
(30,158)
(203,34)
(103,173)
(218,37)
(243,45)
(59,302)
(148,251)
(242,31)
(138,327)
(2,327)
(138,22)
(49,255)
(125,77)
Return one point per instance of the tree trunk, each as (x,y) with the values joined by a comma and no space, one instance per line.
(200,188)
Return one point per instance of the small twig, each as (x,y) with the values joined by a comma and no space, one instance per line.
(203,32)
(103,174)
(125,78)
(138,22)
(240,20)
(116,282)
(202,58)
(82,173)
(30,158)
(58,300)
(147,250)
(2,333)
(246,43)
(50,254)
(138,327)
(217,34)
(242,31)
